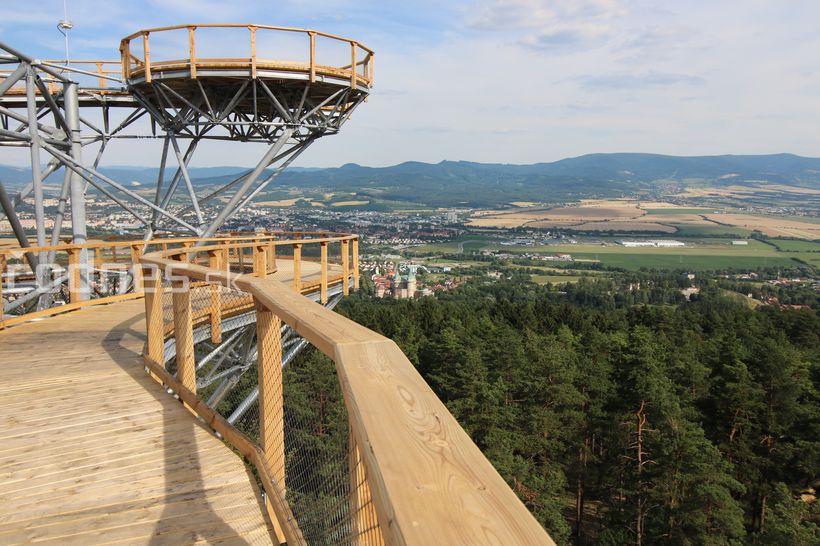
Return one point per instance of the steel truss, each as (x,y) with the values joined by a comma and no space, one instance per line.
(42,106)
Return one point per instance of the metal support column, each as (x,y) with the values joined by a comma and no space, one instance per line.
(76,185)
(42,273)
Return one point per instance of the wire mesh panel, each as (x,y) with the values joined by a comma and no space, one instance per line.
(295,412)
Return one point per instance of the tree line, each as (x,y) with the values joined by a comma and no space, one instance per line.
(623,414)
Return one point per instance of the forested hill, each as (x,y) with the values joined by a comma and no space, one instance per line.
(666,422)
(451,183)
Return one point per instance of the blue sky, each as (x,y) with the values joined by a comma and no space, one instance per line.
(516,81)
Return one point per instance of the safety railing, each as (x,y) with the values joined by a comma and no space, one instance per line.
(90,74)
(39,281)
(152,51)
(354,450)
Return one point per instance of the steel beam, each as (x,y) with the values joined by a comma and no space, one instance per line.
(76,186)
(16,226)
(252,178)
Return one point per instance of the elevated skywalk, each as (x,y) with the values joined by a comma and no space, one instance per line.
(94,451)
(170,410)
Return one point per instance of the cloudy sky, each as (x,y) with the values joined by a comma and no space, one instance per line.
(514,81)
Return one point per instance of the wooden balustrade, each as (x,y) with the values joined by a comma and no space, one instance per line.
(104,70)
(12,263)
(135,66)
(415,475)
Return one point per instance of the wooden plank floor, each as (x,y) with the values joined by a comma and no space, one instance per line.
(93,451)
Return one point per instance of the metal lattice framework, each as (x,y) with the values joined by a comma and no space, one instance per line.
(56,110)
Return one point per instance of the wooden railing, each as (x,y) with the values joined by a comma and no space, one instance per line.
(62,267)
(91,74)
(415,476)
(138,61)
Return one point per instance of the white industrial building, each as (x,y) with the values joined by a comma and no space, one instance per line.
(664,243)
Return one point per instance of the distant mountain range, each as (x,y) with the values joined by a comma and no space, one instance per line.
(480,184)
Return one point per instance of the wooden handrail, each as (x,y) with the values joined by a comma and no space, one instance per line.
(135,249)
(430,484)
(134,66)
(240,25)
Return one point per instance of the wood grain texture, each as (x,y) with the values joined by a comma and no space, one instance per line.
(93,451)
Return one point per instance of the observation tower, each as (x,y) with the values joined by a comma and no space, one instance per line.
(150,384)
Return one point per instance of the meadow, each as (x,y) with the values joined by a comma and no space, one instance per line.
(698,255)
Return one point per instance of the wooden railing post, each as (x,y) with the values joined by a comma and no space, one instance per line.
(98,258)
(271,257)
(271,408)
(297,267)
(356,263)
(136,254)
(184,334)
(147,51)
(365,524)
(253,52)
(260,260)
(240,257)
(152,281)
(125,58)
(345,267)
(353,65)
(102,81)
(312,56)
(215,262)
(323,282)
(192,51)
(74,274)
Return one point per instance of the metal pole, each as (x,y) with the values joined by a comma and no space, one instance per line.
(16,226)
(36,177)
(76,185)
(252,178)
(12,78)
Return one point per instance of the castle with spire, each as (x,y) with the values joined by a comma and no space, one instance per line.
(404,288)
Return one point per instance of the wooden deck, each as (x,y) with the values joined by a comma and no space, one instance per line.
(94,451)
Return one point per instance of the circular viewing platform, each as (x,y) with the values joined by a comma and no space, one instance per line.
(186,57)
(217,56)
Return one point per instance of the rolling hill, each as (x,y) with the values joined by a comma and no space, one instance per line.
(454,183)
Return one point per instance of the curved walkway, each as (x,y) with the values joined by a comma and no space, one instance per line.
(94,451)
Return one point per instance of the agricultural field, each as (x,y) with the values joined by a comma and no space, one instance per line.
(632,216)
(790,245)
(771,226)
(709,230)
(698,255)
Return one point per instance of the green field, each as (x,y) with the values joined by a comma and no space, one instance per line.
(708,254)
(811,258)
(789,245)
(688,261)
(691,230)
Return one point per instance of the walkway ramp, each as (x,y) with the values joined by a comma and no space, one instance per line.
(93,451)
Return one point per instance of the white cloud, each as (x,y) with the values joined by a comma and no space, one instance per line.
(549,25)
(523,80)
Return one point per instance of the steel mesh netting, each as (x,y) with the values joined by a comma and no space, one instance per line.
(315,458)
(305,436)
